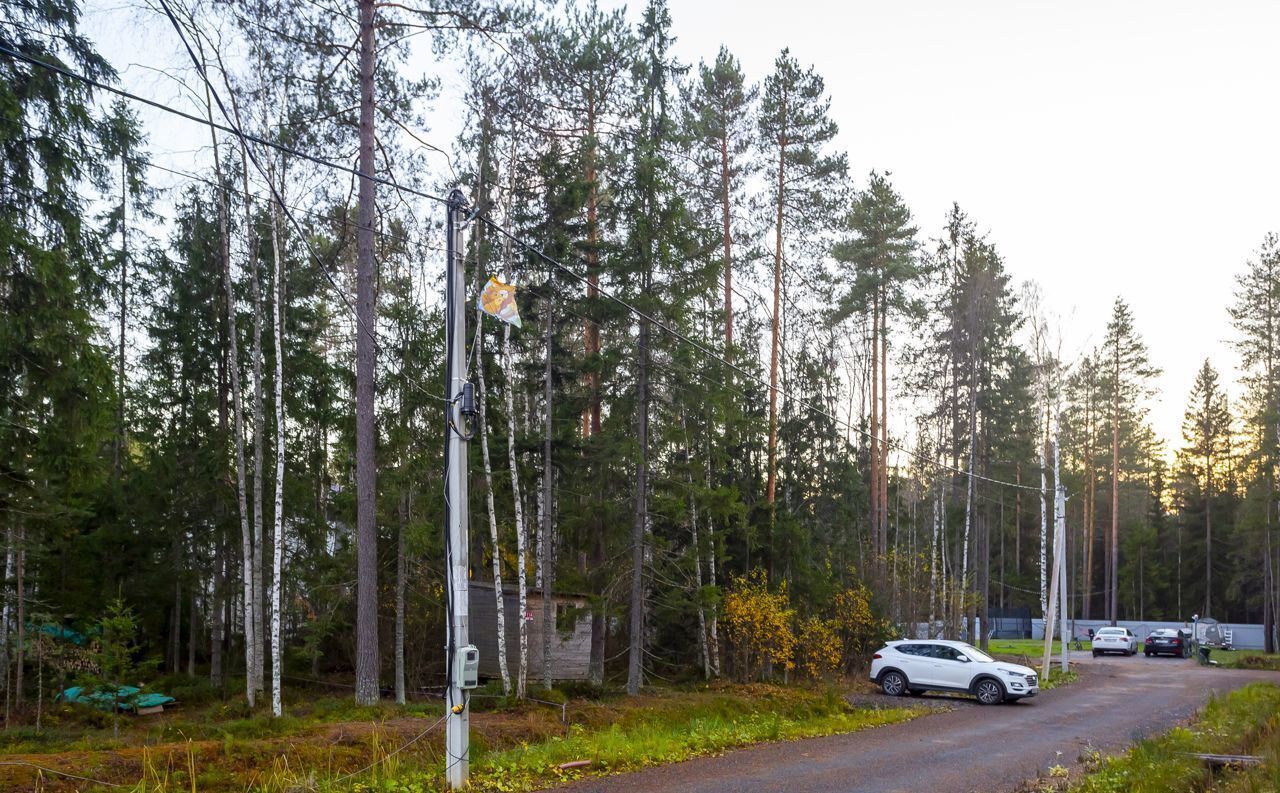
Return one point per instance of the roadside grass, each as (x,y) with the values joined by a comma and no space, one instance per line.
(654,736)
(328,744)
(1244,721)
(1057,678)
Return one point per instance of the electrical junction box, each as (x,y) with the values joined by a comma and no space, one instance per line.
(466,667)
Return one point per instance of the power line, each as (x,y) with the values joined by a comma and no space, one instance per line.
(246,136)
(275,194)
(146,163)
(482,216)
(707,351)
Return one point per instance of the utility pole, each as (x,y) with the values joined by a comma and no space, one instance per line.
(460,413)
(1060,544)
(1057,606)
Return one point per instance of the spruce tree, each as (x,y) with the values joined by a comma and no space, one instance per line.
(1206,431)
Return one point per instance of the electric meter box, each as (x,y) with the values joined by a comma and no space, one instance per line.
(466,667)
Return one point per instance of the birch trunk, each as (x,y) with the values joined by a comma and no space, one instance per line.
(277,556)
(259,466)
(482,399)
(934,568)
(237,410)
(513,464)
(703,648)
(1044,534)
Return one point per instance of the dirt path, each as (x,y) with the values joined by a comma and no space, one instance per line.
(973,748)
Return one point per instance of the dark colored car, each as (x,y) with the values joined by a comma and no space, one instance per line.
(1167,641)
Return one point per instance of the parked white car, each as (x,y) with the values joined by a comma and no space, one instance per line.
(910,667)
(1114,640)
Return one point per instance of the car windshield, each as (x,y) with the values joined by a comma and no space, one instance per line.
(975,654)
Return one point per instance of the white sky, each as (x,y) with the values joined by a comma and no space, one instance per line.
(1109,148)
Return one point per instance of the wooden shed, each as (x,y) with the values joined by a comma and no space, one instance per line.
(570,646)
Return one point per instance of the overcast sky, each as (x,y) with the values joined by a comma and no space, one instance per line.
(1108,148)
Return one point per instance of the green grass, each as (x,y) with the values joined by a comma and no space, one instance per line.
(225,748)
(645,737)
(1032,648)
(1246,659)
(1242,722)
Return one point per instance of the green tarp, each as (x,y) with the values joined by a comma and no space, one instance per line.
(127,697)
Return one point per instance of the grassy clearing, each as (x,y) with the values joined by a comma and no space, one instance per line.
(515,746)
(659,735)
(1246,659)
(1246,721)
(1032,648)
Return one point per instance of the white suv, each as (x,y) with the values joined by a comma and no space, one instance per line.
(910,667)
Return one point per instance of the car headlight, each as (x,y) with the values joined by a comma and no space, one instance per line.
(1011,673)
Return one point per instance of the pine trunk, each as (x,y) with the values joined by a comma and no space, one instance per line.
(217,626)
(20,591)
(544,549)
(727,241)
(122,435)
(771,487)
(1115,490)
(400,601)
(367,667)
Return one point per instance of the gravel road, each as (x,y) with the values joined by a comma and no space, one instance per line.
(971,748)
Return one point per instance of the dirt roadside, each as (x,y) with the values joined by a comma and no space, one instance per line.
(971,748)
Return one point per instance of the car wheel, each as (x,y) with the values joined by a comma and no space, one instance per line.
(1096,653)
(988,691)
(893,683)
(1147,654)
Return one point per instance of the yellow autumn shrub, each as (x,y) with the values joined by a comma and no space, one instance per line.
(758,625)
(819,647)
(859,631)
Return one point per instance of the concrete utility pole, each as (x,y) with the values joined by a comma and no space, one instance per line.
(457,434)
(1057,606)
(1060,545)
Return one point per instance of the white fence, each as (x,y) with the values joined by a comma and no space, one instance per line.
(1243,636)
